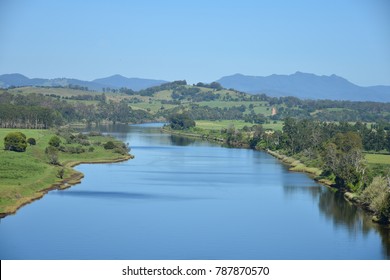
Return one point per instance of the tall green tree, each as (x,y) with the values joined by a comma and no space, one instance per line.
(344,158)
(15,141)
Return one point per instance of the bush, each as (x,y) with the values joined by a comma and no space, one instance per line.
(109,145)
(15,141)
(84,142)
(61,173)
(82,136)
(55,141)
(31,141)
(122,149)
(52,154)
(75,150)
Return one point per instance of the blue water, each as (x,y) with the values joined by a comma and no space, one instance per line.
(187,199)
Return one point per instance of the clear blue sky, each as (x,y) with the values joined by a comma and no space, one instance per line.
(196,40)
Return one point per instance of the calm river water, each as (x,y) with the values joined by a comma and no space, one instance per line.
(188,199)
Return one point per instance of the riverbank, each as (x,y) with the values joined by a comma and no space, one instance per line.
(28,176)
(298,166)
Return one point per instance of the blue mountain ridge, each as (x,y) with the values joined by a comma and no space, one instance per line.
(306,86)
(114,82)
(301,85)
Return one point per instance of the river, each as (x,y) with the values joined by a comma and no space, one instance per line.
(188,199)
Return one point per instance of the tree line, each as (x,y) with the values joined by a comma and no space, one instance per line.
(33,117)
(39,111)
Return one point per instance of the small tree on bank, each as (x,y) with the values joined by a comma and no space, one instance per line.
(60,173)
(181,121)
(15,141)
(55,141)
(52,154)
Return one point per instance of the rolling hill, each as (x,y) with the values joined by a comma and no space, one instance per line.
(118,81)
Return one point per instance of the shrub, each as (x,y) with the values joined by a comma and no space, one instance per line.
(31,141)
(60,173)
(55,141)
(122,149)
(82,136)
(15,141)
(75,150)
(109,145)
(83,142)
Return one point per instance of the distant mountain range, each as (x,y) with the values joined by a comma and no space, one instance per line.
(306,86)
(301,85)
(113,82)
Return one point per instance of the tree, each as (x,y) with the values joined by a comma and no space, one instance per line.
(55,141)
(181,121)
(60,173)
(15,141)
(344,158)
(52,154)
(31,141)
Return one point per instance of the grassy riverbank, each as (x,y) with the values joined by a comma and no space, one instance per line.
(26,176)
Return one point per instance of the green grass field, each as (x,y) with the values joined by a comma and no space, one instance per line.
(217,125)
(278,125)
(378,159)
(237,124)
(258,106)
(23,175)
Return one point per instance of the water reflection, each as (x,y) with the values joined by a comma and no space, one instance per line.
(125,195)
(119,130)
(341,213)
(181,141)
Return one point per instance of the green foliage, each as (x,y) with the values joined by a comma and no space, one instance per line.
(72,149)
(60,173)
(344,158)
(52,155)
(213,85)
(15,141)
(55,141)
(181,121)
(31,141)
(377,197)
(22,116)
(119,148)
(109,145)
(23,176)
